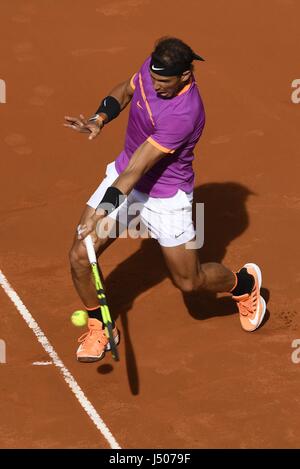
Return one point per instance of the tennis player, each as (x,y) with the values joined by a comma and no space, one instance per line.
(155,170)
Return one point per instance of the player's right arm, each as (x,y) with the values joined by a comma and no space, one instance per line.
(117,99)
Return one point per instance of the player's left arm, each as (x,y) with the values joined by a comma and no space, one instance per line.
(146,156)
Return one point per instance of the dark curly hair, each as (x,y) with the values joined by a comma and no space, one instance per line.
(172,51)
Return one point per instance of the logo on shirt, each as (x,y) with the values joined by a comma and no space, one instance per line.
(139,105)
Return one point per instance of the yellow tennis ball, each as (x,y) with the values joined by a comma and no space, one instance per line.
(79,318)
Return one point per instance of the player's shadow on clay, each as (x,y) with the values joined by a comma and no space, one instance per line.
(225,218)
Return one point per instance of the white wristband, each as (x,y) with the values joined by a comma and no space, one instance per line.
(97,118)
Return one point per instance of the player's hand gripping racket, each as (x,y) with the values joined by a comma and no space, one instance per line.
(101,296)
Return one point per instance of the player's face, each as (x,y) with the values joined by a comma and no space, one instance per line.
(167,87)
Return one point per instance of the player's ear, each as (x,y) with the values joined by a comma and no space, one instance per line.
(185,76)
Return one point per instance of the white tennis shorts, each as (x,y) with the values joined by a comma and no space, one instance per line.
(169,220)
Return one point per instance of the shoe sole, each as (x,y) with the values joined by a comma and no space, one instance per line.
(91,359)
(264,310)
(262,300)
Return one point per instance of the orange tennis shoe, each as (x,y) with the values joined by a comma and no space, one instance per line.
(252,307)
(94,343)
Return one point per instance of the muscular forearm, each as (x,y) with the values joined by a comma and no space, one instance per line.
(124,183)
(116,101)
(143,159)
(120,92)
(127,180)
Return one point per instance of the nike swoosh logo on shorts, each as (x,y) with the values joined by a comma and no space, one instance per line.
(156,68)
(177,236)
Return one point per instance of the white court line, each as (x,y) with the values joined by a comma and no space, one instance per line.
(75,388)
(42,363)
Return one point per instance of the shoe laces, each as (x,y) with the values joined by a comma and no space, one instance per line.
(248,306)
(92,334)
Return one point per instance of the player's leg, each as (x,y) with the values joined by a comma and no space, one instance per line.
(111,228)
(170,222)
(190,276)
(94,343)
(80,267)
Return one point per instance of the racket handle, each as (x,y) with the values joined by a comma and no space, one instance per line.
(90,249)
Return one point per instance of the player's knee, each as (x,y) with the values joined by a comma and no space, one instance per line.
(186,285)
(189,284)
(78,259)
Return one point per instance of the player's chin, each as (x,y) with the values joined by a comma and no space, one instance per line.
(164,95)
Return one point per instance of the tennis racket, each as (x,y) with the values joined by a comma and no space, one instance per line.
(101,296)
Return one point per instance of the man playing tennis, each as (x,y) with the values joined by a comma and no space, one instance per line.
(155,169)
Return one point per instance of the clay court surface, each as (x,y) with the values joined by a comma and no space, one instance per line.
(189,377)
